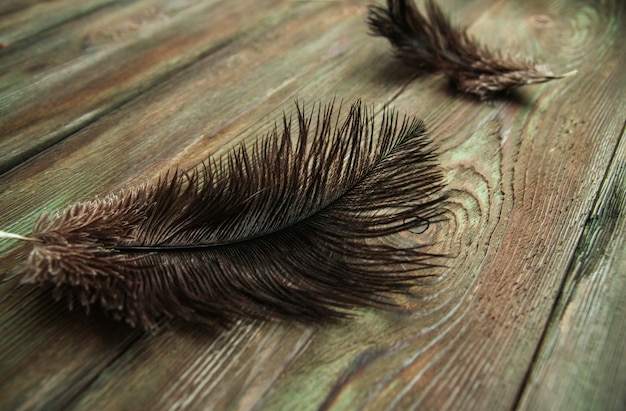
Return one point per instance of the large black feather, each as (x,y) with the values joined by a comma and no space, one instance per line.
(291,226)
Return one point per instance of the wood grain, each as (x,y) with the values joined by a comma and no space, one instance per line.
(534,221)
(107,59)
(25,20)
(582,361)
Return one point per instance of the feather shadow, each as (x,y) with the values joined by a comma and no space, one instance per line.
(429,42)
(291,226)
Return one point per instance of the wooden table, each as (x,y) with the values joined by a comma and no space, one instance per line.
(530,313)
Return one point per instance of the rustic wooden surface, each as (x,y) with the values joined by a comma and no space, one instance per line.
(529,314)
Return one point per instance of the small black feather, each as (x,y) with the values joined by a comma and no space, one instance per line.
(429,42)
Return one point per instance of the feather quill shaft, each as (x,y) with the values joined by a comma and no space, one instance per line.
(288,227)
(430,42)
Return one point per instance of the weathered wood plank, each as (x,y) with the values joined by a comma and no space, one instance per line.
(109,59)
(47,377)
(582,361)
(23,20)
(523,182)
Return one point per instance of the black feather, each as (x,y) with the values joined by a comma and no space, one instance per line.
(429,42)
(292,226)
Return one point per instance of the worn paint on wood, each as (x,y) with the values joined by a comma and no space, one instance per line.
(527,313)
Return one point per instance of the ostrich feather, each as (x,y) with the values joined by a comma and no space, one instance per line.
(430,42)
(291,226)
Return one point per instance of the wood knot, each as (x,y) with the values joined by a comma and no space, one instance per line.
(541,20)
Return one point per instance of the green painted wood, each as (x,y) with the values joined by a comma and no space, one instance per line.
(90,67)
(582,361)
(521,172)
(22,20)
